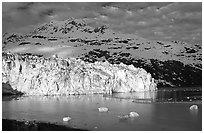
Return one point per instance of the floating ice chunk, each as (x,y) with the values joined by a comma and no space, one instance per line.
(130,115)
(67,118)
(103,109)
(133,114)
(193,107)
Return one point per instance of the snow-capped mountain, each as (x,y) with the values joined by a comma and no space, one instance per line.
(172,63)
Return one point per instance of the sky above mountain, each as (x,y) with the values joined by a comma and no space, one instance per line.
(157,21)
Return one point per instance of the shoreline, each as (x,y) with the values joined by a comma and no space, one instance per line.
(24,125)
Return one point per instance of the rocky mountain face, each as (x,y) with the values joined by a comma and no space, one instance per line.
(36,75)
(170,63)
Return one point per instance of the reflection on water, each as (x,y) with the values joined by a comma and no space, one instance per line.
(162,95)
(194,112)
(144,97)
(83,109)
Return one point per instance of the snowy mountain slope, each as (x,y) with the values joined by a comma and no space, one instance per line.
(170,63)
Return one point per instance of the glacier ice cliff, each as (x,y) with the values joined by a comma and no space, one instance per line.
(36,75)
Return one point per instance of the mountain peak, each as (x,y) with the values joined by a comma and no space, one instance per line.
(77,22)
(69,26)
(74,38)
(64,27)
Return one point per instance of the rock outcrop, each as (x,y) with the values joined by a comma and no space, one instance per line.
(36,75)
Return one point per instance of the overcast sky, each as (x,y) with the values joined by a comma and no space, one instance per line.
(158,21)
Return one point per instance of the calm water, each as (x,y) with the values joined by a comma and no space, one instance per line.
(163,95)
(166,109)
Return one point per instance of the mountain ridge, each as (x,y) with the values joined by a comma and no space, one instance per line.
(74,38)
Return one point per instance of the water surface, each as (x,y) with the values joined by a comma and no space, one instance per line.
(155,110)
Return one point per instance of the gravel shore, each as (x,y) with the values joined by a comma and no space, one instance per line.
(14,125)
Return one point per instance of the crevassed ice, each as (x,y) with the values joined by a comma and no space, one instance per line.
(35,75)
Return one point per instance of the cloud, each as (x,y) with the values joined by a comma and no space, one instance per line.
(153,20)
(25,6)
